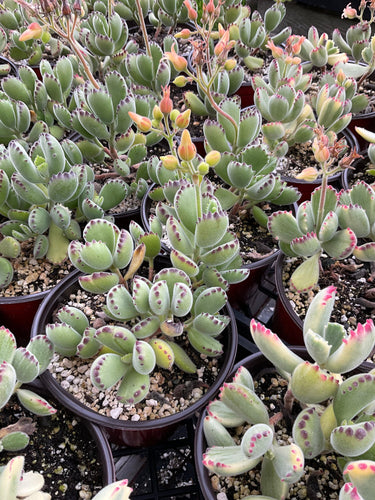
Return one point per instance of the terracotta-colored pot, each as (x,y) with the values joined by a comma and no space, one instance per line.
(129,433)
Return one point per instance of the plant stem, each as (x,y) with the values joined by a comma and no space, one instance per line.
(143,27)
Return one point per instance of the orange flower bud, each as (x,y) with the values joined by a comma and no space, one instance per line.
(170,162)
(340,77)
(143,123)
(179,62)
(221,45)
(221,30)
(230,64)
(183,119)
(33,31)
(210,7)
(192,14)
(296,46)
(166,104)
(212,158)
(320,149)
(184,34)
(276,51)
(186,150)
(308,174)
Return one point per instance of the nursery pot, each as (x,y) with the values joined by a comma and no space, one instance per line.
(254,363)
(17,313)
(246,94)
(4,61)
(285,322)
(87,430)
(129,433)
(359,166)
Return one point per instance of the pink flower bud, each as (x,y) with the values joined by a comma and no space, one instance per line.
(179,62)
(166,104)
(143,123)
(192,14)
(308,174)
(349,12)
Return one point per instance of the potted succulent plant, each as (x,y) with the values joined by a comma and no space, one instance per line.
(332,414)
(337,213)
(17,484)
(149,322)
(46,193)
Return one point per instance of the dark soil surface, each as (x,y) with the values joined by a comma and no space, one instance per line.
(62,449)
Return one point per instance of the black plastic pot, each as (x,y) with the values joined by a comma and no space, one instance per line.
(105,456)
(332,5)
(129,433)
(359,165)
(13,70)
(254,363)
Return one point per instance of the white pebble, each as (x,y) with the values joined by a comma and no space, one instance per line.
(115,412)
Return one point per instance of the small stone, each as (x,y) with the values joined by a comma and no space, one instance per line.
(68,363)
(135,418)
(115,413)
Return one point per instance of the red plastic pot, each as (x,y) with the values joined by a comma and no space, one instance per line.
(246,94)
(285,322)
(17,314)
(255,363)
(128,433)
(364,120)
